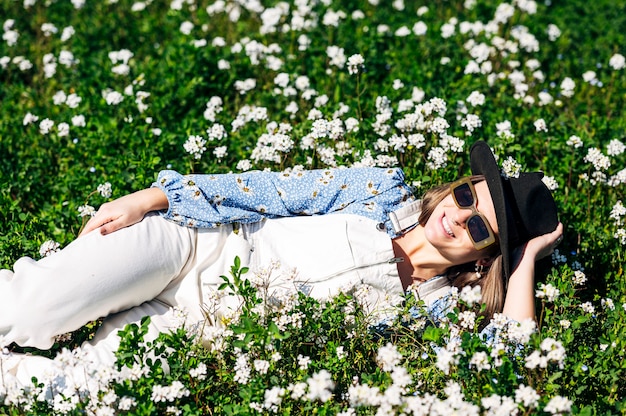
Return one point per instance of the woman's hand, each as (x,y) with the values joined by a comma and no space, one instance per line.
(545,244)
(126,211)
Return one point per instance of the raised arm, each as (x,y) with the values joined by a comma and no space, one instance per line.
(519,303)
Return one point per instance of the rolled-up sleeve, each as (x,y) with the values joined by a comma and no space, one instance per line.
(206,201)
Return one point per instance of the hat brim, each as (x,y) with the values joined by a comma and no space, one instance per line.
(483,163)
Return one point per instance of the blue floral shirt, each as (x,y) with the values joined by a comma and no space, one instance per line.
(207,201)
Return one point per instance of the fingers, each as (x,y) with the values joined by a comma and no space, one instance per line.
(99,220)
(113,226)
(91,225)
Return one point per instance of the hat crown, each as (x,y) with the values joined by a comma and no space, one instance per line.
(530,208)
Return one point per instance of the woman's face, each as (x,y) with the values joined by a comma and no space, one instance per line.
(445,229)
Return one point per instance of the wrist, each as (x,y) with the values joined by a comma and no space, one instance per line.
(154,199)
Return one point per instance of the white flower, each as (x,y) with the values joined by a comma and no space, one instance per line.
(574,141)
(607,303)
(541,125)
(558,405)
(447,30)
(579,278)
(547,291)
(244,165)
(480,361)
(48,248)
(303,362)
(504,129)
(78,121)
(246,85)
(29,118)
(420,28)
(63,129)
(121,69)
(471,295)
(402,32)
(550,182)
(615,148)
(522,331)
(511,168)
(355,62)
(617,62)
(123,56)
(10,37)
(336,55)
(599,160)
(86,211)
(220,152)
(437,158)
(113,98)
(67,59)
(186,27)
(320,386)
(73,100)
(45,125)
(217,132)
(388,357)
(67,33)
(59,98)
(48,29)
(589,76)
(104,189)
(262,366)
(567,87)
(467,319)
(471,122)
(588,307)
(527,396)
(195,145)
(553,32)
(476,98)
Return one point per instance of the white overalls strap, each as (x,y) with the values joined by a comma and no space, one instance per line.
(405,217)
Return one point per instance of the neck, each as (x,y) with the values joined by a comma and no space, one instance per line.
(422,261)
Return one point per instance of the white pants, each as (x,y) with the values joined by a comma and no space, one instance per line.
(138,271)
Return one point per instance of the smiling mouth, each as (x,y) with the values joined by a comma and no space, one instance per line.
(446,226)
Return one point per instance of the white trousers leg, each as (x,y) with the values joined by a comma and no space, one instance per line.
(92,277)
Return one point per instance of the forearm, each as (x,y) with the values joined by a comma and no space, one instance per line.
(126,211)
(519,303)
(151,199)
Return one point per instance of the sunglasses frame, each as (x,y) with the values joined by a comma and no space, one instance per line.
(491,238)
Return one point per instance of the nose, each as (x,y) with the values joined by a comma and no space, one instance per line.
(462,215)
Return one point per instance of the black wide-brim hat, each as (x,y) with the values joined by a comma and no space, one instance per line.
(524,206)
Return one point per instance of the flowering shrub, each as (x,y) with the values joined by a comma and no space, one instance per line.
(92,107)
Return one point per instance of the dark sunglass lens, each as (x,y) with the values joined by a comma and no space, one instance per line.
(463,195)
(477,228)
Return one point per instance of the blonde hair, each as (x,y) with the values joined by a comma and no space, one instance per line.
(491,283)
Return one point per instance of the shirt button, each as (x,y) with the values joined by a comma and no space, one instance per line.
(380,226)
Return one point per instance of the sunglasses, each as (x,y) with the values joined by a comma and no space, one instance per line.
(477,225)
